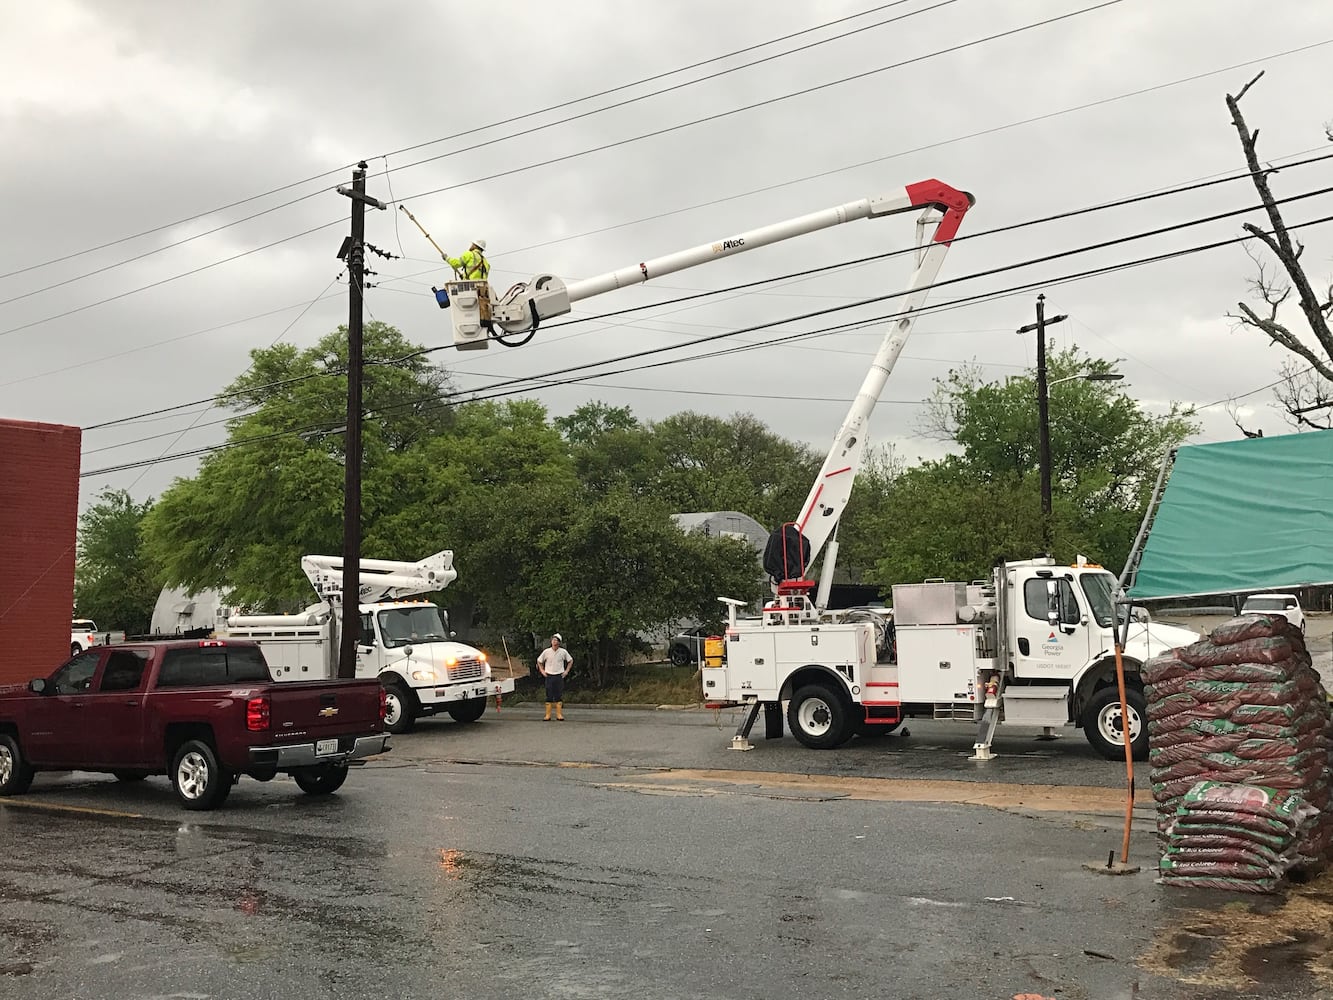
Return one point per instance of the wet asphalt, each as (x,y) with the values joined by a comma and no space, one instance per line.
(519,858)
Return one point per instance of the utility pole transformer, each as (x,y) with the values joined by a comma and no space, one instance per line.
(1043,416)
(355,252)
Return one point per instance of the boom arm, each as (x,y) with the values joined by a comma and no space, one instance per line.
(381,579)
(476,316)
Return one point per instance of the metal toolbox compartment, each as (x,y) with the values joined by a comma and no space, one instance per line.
(928,603)
(1036,706)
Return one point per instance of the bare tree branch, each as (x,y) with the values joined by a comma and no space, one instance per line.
(1233,411)
(1280,242)
(1306,396)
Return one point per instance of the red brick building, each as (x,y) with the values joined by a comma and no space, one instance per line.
(39,510)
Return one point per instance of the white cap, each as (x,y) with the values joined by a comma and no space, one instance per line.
(479,244)
(557,638)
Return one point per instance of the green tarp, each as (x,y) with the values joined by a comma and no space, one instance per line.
(1240,516)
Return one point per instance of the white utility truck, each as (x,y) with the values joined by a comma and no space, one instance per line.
(1037,636)
(406,644)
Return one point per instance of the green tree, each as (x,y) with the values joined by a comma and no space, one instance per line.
(245,519)
(116,582)
(957,516)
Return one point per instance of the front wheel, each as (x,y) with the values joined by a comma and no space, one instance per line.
(324,779)
(819,718)
(467,711)
(198,778)
(400,709)
(680,656)
(16,774)
(1104,724)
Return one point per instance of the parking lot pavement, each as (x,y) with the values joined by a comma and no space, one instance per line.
(627,854)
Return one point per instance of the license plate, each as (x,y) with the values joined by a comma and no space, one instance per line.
(325,747)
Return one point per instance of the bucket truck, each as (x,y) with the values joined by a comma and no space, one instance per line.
(407,644)
(1031,645)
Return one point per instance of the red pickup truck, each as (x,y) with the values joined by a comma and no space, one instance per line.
(203,711)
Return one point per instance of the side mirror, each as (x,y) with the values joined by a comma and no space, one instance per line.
(453,635)
(1052,603)
(407,650)
(37,686)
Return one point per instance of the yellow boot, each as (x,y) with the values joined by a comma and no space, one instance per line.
(559,711)
(548,712)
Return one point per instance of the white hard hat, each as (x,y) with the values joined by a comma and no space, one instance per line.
(557,638)
(479,244)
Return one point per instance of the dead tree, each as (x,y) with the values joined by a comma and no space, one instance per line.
(1307,389)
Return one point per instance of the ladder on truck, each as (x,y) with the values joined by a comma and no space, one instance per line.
(1130,573)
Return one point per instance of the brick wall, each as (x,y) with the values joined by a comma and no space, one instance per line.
(39,509)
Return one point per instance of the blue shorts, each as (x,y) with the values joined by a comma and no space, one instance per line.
(555,687)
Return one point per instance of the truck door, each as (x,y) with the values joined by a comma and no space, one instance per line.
(1050,630)
(60,715)
(114,732)
(369,649)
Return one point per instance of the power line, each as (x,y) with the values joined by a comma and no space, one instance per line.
(875,257)
(718,116)
(472,131)
(574,370)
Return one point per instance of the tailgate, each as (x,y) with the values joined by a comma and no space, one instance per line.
(305,709)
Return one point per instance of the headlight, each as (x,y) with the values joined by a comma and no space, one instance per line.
(423,675)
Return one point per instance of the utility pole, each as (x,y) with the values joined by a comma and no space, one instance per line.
(354,251)
(1043,415)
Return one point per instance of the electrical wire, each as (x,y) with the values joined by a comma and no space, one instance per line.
(574,370)
(861,260)
(457,135)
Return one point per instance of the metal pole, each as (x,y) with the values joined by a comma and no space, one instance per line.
(351,603)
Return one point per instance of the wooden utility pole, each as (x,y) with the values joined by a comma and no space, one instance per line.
(355,253)
(1043,416)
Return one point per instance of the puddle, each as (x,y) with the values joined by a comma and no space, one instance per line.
(1268,941)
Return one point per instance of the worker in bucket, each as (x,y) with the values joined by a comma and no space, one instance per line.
(554,664)
(472,265)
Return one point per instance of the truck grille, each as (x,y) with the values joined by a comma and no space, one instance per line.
(467,670)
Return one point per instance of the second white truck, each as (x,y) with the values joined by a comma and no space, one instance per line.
(407,644)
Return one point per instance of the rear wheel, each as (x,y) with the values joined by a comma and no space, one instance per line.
(400,708)
(1104,724)
(75,649)
(467,711)
(16,774)
(680,656)
(198,779)
(322,780)
(819,718)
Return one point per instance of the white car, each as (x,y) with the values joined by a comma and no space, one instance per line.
(83,635)
(1268,603)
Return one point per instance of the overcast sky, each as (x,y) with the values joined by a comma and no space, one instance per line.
(129,116)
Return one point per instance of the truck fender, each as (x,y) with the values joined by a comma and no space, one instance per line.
(812,673)
(1099,672)
(389,675)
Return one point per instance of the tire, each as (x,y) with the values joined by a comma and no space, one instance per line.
(130,776)
(679,656)
(1104,728)
(819,717)
(467,711)
(323,779)
(16,774)
(197,778)
(75,649)
(400,708)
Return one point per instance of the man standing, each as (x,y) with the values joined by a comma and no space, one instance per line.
(554,664)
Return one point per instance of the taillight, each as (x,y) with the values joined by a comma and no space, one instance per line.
(257,714)
(384,704)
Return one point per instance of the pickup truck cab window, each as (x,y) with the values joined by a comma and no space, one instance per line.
(124,670)
(212,665)
(76,676)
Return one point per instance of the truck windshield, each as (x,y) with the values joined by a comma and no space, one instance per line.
(1099,588)
(404,626)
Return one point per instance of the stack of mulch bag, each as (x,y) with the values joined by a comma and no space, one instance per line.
(1240,736)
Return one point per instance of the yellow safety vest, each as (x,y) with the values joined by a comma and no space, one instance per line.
(471,266)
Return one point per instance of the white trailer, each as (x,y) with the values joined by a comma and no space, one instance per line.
(407,644)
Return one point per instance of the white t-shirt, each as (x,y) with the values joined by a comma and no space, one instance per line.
(555,661)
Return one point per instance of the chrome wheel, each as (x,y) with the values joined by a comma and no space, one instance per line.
(1111,724)
(192,775)
(6,764)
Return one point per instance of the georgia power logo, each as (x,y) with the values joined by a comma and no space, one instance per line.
(1052,647)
